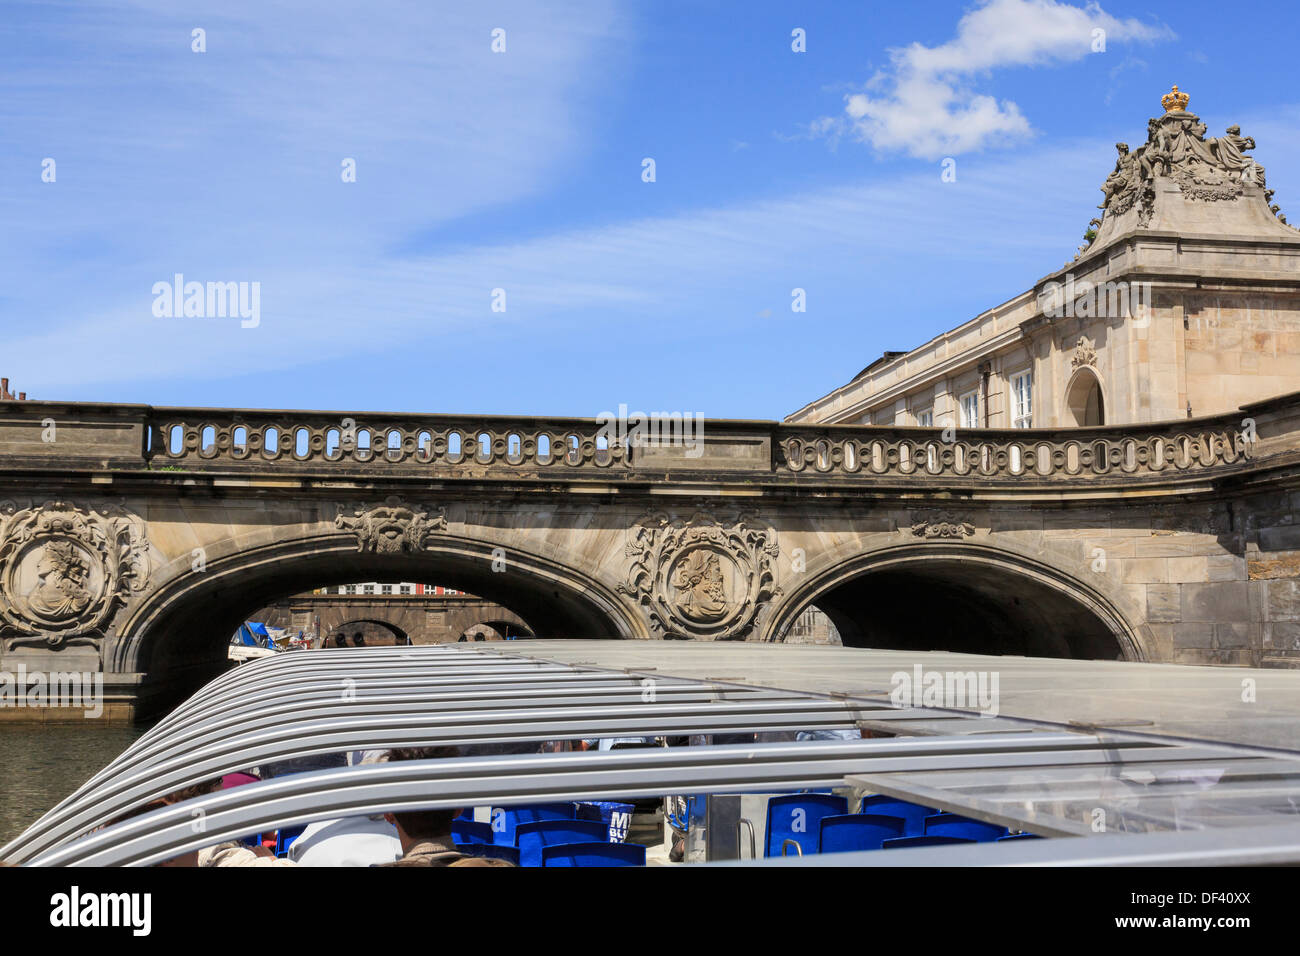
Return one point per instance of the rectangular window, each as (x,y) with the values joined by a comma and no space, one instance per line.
(385,589)
(926,418)
(367,589)
(408,588)
(969,403)
(1022,400)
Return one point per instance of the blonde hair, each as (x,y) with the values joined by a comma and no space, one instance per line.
(480,861)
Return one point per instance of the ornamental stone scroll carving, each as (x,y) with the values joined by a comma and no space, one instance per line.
(394,527)
(65,569)
(701,577)
(940,524)
(1085,353)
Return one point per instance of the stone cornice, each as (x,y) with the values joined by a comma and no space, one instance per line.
(991,315)
(941,369)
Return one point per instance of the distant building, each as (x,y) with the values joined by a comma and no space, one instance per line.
(7,396)
(400,589)
(1184,301)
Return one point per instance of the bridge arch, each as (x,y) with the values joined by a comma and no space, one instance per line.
(493,630)
(349,627)
(179,633)
(961,597)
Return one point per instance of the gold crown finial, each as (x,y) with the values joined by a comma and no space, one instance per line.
(1173,100)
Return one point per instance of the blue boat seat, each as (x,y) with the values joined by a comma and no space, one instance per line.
(902,843)
(857,831)
(594,854)
(912,813)
(532,838)
(468,831)
(954,824)
(505,819)
(797,817)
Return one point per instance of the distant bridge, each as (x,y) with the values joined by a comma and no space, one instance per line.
(398,618)
(135,539)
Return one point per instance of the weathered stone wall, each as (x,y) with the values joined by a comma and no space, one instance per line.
(1239,348)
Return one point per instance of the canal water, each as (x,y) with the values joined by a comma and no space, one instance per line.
(40,765)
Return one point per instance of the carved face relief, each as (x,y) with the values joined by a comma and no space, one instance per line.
(62,570)
(393,527)
(701,578)
(702,590)
(67,568)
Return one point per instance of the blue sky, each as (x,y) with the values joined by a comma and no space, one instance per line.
(522,170)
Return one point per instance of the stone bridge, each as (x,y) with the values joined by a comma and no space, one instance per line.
(134,539)
(395,618)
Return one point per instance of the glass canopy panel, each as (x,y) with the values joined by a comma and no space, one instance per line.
(1130,794)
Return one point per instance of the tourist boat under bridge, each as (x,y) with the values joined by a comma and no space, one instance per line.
(1108,762)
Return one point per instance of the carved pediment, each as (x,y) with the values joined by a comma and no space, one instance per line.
(1217,169)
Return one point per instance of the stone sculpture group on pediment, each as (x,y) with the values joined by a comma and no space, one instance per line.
(1208,170)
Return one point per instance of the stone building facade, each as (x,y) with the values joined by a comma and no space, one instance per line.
(1184,302)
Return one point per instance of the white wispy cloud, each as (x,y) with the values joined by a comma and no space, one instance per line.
(926,103)
(667,276)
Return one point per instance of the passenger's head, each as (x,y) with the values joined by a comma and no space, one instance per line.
(197,790)
(418,826)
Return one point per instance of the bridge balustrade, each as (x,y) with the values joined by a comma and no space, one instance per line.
(136,437)
(199,437)
(997,454)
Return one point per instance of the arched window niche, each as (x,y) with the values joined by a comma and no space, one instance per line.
(1085,400)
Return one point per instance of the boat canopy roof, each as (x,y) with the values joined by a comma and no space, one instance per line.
(1046,746)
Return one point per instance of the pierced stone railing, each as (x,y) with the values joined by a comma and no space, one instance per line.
(1012,454)
(44,437)
(196,436)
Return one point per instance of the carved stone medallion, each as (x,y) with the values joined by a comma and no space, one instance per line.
(65,569)
(940,524)
(701,577)
(393,527)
